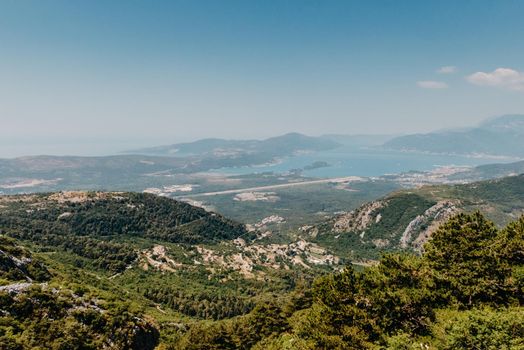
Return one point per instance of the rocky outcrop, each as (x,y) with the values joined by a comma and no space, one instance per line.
(359,219)
(249,257)
(423,225)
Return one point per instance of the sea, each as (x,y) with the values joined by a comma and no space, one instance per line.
(365,162)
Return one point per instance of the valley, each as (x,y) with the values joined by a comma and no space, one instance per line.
(180,248)
(255,179)
(261,175)
(176,267)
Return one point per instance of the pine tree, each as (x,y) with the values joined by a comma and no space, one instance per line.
(468,268)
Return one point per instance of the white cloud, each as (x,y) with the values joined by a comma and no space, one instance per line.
(505,78)
(447,70)
(430,84)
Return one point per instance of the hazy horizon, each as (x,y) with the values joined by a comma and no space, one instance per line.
(107,147)
(93,78)
(12,147)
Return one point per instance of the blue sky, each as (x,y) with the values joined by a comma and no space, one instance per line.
(108,74)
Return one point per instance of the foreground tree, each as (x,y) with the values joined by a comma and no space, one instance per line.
(467,266)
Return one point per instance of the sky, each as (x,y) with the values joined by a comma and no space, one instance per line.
(95,77)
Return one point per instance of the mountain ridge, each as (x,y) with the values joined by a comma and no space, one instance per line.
(499,136)
(277,145)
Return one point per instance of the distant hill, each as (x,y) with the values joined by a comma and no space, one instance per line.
(501,136)
(116,173)
(145,168)
(359,140)
(272,147)
(490,171)
(62,166)
(69,216)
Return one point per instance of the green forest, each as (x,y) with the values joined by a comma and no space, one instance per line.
(465,292)
(74,274)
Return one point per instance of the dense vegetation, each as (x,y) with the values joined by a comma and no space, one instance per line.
(82,259)
(78,272)
(132,214)
(18,264)
(38,313)
(88,226)
(465,291)
(40,318)
(204,305)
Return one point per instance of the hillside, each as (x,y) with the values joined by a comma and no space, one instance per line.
(164,262)
(93,266)
(41,310)
(404,220)
(99,215)
(468,277)
(464,292)
(502,136)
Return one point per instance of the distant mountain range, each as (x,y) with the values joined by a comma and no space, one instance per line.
(272,147)
(170,165)
(501,136)
(359,140)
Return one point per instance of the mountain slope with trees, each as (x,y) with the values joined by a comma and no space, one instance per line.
(465,291)
(124,270)
(404,220)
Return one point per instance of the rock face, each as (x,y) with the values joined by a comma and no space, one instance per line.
(158,258)
(423,225)
(405,220)
(15,288)
(359,219)
(402,221)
